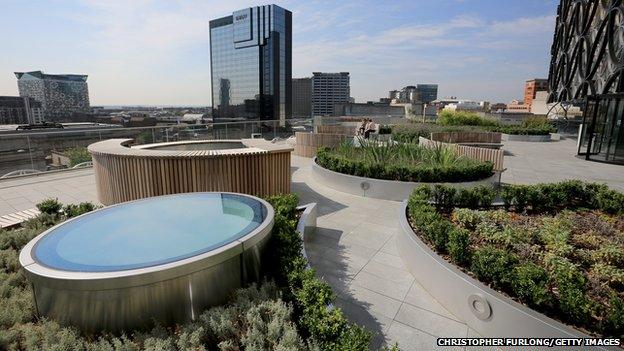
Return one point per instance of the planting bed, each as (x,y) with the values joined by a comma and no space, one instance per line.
(556,248)
(403,162)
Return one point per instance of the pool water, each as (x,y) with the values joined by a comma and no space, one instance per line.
(149,232)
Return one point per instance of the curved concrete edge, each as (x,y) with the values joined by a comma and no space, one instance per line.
(392,190)
(129,278)
(488,312)
(527,138)
(307,225)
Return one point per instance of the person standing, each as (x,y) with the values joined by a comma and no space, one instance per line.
(368,128)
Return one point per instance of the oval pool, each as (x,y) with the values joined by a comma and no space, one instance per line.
(163,258)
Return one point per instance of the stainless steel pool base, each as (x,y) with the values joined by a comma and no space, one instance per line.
(175,292)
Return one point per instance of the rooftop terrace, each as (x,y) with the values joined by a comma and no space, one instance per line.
(354,247)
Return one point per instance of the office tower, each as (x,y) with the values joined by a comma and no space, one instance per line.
(20,110)
(251,64)
(329,89)
(428,92)
(302,97)
(531,87)
(61,95)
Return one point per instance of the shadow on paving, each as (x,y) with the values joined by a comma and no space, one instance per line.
(332,262)
(307,195)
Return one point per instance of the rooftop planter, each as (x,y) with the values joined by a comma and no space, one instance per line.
(392,190)
(390,172)
(488,282)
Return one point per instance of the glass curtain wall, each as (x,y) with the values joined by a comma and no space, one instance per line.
(602,138)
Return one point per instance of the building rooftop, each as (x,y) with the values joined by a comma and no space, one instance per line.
(41,75)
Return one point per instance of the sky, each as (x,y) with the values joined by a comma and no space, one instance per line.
(156,52)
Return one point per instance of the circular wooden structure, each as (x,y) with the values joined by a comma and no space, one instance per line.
(124,173)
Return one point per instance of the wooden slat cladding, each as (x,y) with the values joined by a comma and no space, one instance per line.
(477,153)
(308,143)
(335,129)
(467,137)
(124,175)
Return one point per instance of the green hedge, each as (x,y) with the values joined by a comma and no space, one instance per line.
(545,267)
(464,170)
(292,311)
(463,118)
(312,297)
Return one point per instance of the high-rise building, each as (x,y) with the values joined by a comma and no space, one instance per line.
(428,92)
(61,95)
(329,89)
(425,93)
(20,110)
(409,94)
(302,97)
(251,64)
(531,87)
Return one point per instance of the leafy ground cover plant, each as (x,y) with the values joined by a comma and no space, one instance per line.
(291,310)
(403,162)
(557,247)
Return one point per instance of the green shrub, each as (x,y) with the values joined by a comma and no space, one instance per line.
(571,286)
(459,245)
(606,273)
(530,284)
(50,206)
(463,118)
(477,197)
(312,298)
(555,233)
(610,201)
(467,218)
(444,197)
(494,265)
(613,324)
(610,254)
(73,210)
(77,155)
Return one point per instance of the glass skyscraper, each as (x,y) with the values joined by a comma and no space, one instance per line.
(251,64)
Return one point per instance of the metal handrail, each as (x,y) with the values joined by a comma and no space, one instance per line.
(120,128)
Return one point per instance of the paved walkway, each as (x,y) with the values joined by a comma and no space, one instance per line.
(529,163)
(354,250)
(24,193)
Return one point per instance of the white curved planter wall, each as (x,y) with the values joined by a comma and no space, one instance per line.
(487,311)
(379,188)
(307,224)
(528,138)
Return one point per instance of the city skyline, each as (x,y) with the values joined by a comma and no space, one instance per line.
(157,53)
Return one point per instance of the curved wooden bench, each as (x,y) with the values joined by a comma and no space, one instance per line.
(125,173)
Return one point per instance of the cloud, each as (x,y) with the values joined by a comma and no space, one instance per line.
(458,53)
(157,51)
